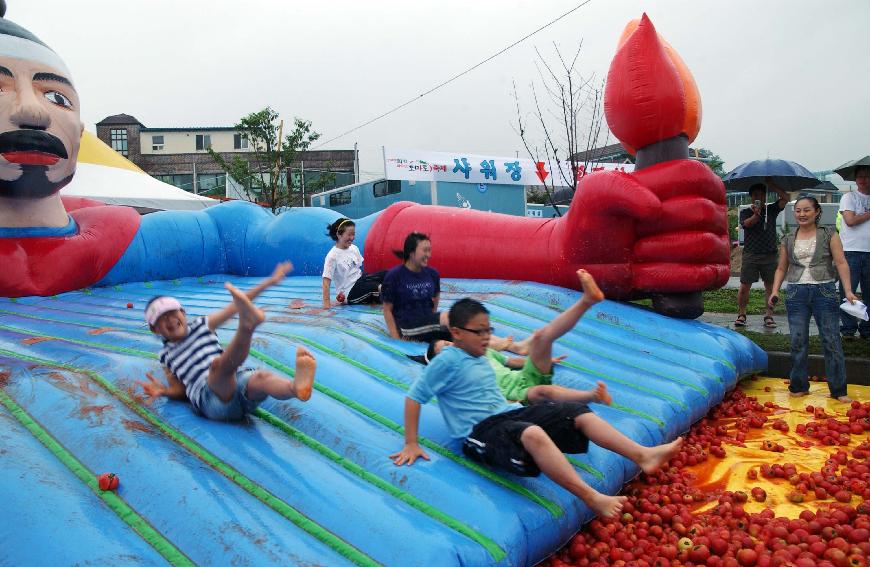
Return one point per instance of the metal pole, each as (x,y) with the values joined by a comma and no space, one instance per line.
(302,164)
(195,185)
(355,163)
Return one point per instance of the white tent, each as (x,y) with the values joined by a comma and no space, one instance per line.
(104,175)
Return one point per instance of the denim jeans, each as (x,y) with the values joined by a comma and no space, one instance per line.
(859,273)
(820,301)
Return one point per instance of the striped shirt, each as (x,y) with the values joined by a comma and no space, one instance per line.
(189,359)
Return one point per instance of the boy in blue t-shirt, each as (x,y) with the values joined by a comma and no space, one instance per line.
(199,370)
(523,440)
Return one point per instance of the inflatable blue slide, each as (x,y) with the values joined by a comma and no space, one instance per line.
(309,483)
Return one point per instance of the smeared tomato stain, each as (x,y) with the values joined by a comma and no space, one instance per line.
(136,426)
(101,330)
(97,411)
(34,340)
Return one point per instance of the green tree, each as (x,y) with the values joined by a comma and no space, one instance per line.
(712,160)
(265,173)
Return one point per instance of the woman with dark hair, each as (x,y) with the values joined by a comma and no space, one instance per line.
(810,260)
(411,292)
(344,266)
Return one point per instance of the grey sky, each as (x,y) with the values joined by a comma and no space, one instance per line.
(777,78)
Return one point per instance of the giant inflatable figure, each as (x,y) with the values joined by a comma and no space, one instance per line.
(660,231)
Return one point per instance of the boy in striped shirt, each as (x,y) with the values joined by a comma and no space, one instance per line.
(198,369)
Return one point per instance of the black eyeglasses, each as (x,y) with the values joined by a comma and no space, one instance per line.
(479,332)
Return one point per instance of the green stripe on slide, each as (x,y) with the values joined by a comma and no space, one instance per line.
(115,503)
(549,505)
(493,548)
(297,518)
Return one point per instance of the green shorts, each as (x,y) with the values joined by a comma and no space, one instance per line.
(515,385)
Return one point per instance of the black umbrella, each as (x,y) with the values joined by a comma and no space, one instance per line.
(847,170)
(787,175)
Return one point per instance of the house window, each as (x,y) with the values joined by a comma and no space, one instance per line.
(203,142)
(340,198)
(157,143)
(212,184)
(384,188)
(240,142)
(118,139)
(182,181)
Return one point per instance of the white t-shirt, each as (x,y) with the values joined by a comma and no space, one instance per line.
(855,238)
(343,267)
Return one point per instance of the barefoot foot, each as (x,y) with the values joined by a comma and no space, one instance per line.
(303,380)
(592,294)
(602,396)
(798,394)
(655,458)
(249,315)
(606,506)
(520,347)
(845,399)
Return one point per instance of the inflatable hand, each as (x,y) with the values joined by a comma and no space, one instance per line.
(661,230)
(686,247)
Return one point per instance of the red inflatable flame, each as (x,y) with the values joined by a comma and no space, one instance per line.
(650,94)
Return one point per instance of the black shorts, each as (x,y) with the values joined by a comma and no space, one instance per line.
(754,266)
(495,441)
(367,289)
(425,328)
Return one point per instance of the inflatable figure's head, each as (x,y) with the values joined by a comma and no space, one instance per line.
(40,125)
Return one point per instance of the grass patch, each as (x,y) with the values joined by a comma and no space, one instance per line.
(774,342)
(725,301)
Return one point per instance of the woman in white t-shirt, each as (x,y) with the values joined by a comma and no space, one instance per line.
(810,259)
(343,265)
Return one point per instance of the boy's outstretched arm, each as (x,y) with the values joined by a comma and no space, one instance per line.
(154,388)
(218,318)
(412,450)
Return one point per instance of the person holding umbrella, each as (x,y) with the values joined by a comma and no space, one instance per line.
(855,234)
(759,252)
(760,255)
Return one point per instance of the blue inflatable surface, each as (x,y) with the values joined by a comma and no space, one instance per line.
(309,483)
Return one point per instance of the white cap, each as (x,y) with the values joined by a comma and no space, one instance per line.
(160,306)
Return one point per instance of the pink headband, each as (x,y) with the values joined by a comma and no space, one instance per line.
(160,306)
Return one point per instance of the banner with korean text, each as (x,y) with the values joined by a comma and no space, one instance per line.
(459,167)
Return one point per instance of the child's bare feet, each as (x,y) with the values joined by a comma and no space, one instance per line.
(250,316)
(845,399)
(303,380)
(655,457)
(521,348)
(591,292)
(606,506)
(602,396)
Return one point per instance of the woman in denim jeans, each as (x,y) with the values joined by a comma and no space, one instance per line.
(807,260)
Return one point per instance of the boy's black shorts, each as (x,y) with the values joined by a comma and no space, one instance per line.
(495,441)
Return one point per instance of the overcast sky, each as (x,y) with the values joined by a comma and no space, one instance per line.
(778,78)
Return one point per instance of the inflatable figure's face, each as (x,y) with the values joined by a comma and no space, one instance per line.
(40,129)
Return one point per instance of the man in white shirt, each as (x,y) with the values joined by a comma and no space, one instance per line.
(855,234)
